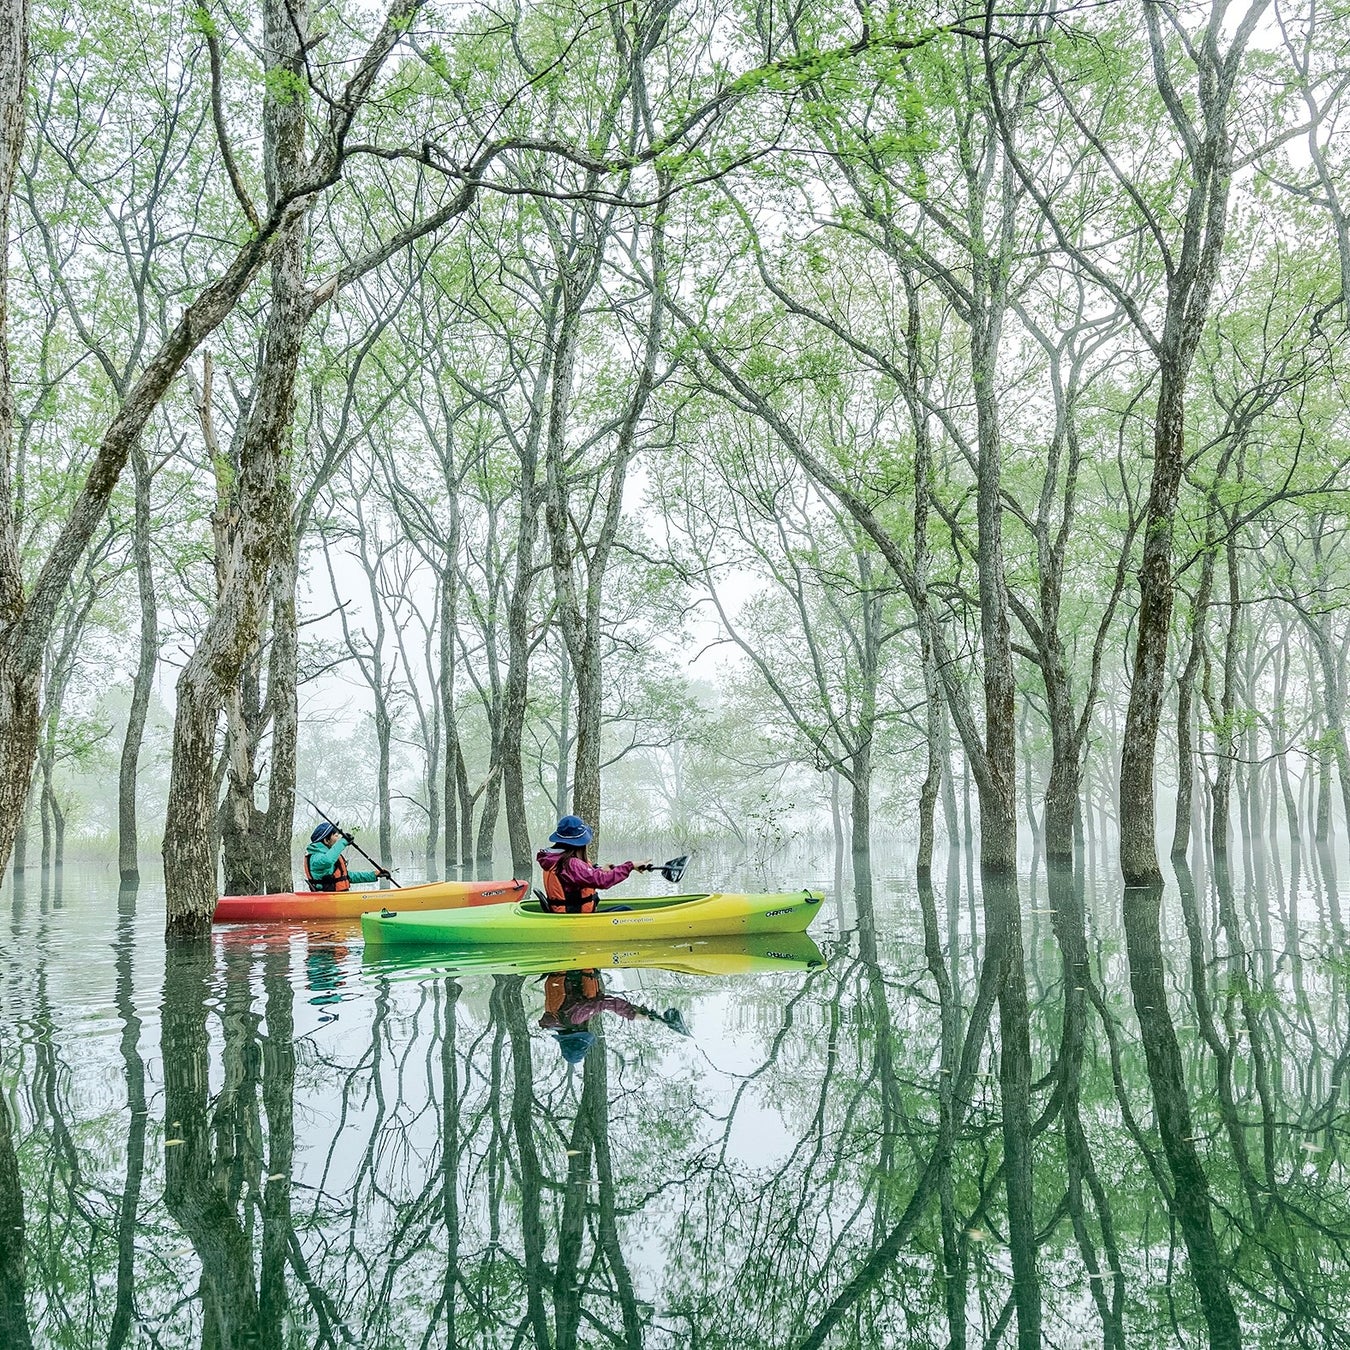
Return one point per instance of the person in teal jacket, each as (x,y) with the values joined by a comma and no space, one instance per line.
(325,867)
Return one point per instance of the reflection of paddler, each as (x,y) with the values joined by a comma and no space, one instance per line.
(573,997)
(324,973)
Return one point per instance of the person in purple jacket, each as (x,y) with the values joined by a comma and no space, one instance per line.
(571,884)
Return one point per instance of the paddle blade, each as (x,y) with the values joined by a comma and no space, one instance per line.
(674,869)
(674,1019)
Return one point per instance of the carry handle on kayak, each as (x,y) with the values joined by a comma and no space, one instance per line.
(328,820)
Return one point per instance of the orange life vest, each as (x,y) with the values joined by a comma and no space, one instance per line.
(338,881)
(581,900)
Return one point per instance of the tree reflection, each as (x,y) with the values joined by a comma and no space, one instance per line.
(201,1185)
(14,1328)
(838,1160)
(133,1068)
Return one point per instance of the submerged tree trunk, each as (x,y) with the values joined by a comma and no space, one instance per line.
(586,757)
(561,775)
(580,588)
(516,695)
(148,657)
(1225,734)
(20,660)
(26,623)
(283,676)
(1190,283)
(1138,851)
(932,781)
(450,766)
(257,498)
(384,730)
(1181,829)
(860,800)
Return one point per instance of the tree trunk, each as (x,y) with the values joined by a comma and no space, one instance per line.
(1181,827)
(26,626)
(1138,849)
(1322,810)
(432,781)
(586,757)
(189,833)
(261,514)
(450,794)
(1225,730)
(384,730)
(516,697)
(998,782)
(283,676)
(58,831)
(148,657)
(950,812)
(1061,802)
(20,665)
(466,800)
(860,800)
(1190,284)
(44,801)
(20,856)
(932,781)
(243,848)
(561,776)
(837,822)
(449,625)
(487,821)
(449,618)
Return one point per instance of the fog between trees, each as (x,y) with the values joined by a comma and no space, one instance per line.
(973,382)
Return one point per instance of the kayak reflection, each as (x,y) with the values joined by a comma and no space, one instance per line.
(574,998)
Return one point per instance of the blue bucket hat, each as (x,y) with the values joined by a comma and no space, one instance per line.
(321,832)
(572,831)
(574,1045)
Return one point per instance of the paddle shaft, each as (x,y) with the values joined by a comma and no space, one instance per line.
(328,820)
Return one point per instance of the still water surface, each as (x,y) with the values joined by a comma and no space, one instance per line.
(276,1139)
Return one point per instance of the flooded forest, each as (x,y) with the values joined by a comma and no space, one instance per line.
(884,458)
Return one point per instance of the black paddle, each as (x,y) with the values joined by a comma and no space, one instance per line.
(346,834)
(672,870)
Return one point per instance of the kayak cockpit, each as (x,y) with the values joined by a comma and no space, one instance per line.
(638,905)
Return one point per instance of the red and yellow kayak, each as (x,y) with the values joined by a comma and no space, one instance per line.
(288,906)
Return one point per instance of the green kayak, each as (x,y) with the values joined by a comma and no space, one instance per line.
(652,919)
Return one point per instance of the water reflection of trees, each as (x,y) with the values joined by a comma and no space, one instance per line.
(837,1166)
